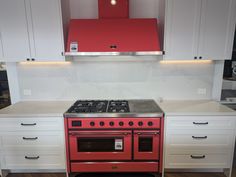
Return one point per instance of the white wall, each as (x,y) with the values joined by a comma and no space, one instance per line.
(115,80)
(138,8)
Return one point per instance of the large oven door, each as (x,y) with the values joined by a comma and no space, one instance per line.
(100,145)
(146,145)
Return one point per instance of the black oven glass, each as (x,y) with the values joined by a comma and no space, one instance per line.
(99,144)
(145,144)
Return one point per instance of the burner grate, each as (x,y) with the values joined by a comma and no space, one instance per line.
(100,106)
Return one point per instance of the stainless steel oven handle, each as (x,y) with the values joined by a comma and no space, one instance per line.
(97,134)
(148,133)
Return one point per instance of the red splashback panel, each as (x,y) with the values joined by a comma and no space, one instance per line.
(128,35)
(107,10)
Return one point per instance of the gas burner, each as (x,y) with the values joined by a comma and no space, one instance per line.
(89,106)
(119,106)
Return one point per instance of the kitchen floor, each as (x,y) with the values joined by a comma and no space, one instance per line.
(167,175)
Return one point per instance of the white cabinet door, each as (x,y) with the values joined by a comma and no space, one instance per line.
(182,29)
(47,30)
(217,29)
(14,32)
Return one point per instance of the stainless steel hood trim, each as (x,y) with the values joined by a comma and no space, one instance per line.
(144,53)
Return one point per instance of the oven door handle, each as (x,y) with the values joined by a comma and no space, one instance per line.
(148,133)
(98,134)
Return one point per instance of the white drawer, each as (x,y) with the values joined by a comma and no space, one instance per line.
(32,141)
(33,161)
(200,122)
(186,141)
(31,124)
(196,161)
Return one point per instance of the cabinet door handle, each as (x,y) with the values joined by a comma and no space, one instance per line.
(200,123)
(32,158)
(22,124)
(198,157)
(199,137)
(28,59)
(33,59)
(24,138)
(195,58)
(200,58)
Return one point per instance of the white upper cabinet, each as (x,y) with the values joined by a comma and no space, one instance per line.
(199,29)
(14,31)
(182,26)
(31,30)
(216,29)
(47,30)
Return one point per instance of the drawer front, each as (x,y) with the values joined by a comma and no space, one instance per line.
(25,141)
(200,122)
(31,124)
(33,161)
(197,161)
(198,141)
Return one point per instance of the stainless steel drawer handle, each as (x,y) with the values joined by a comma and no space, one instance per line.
(24,138)
(200,123)
(28,124)
(199,137)
(32,158)
(198,157)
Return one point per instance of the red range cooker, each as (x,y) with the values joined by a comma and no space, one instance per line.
(114,136)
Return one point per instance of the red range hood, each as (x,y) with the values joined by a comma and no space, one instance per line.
(113,33)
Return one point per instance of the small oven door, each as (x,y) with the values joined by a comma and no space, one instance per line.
(146,145)
(100,145)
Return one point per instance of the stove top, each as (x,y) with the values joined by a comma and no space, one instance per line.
(114,108)
(99,106)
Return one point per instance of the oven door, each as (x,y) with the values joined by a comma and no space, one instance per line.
(100,145)
(146,145)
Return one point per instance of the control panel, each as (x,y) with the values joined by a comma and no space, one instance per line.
(113,123)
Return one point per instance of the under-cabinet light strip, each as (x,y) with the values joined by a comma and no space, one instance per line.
(45,63)
(186,61)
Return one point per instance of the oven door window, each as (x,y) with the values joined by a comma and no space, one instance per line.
(146,145)
(100,144)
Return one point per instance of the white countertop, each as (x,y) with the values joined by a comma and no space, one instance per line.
(36,109)
(203,107)
(57,108)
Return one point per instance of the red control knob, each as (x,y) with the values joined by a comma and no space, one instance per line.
(131,123)
(92,124)
(150,124)
(121,124)
(102,124)
(111,123)
(140,123)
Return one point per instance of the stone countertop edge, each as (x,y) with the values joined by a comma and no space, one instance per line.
(171,108)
